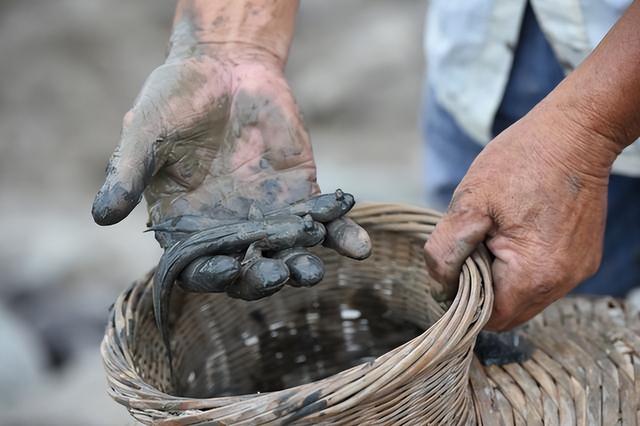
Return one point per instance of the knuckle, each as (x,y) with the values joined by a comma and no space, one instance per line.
(128,118)
(463,202)
(593,264)
(544,288)
(435,266)
(502,314)
(444,260)
(506,308)
(499,321)
(564,272)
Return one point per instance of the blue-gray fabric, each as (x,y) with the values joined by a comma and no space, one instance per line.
(450,151)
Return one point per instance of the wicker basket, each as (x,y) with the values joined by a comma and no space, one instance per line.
(373,343)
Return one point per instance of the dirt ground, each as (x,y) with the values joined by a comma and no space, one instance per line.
(70,69)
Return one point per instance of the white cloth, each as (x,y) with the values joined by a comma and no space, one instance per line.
(470,43)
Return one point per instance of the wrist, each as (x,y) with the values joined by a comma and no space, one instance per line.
(577,137)
(592,121)
(235,29)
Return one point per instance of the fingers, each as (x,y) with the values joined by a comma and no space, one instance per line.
(210,274)
(505,301)
(455,237)
(282,237)
(348,238)
(519,292)
(305,269)
(260,278)
(131,166)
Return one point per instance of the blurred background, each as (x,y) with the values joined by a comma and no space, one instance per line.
(69,70)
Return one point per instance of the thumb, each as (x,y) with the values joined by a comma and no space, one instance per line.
(455,237)
(130,168)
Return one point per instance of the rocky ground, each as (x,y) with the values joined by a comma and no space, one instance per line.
(70,69)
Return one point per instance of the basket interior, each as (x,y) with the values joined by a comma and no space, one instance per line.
(359,311)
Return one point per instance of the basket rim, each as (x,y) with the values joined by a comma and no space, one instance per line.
(453,334)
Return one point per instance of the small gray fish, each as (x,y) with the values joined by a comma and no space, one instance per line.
(296,225)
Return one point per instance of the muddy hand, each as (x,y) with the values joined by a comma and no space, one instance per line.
(213,133)
(286,259)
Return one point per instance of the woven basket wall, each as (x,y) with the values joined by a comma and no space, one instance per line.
(373,343)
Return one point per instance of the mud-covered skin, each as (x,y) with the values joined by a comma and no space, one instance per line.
(298,259)
(214,136)
(211,135)
(212,275)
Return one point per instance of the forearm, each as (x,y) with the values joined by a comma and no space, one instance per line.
(265,25)
(601,98)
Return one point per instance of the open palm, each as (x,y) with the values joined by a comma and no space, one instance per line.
(207,139)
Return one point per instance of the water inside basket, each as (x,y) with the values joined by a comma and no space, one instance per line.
(293,338)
